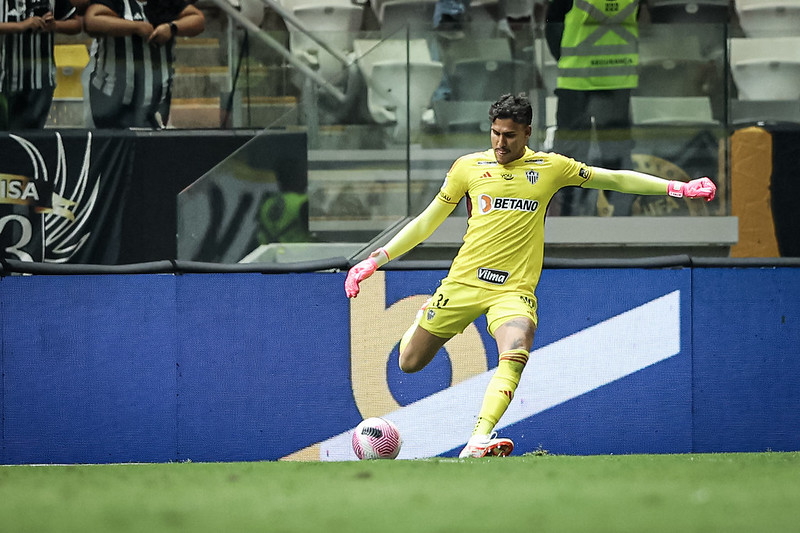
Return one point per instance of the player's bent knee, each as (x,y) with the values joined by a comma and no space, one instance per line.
(413,360)
(420,349)
(408,364)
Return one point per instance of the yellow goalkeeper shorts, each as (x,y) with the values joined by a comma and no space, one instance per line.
(454,306)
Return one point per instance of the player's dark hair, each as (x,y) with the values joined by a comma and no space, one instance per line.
(517,108)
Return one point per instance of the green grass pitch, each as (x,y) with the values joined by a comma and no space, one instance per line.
(745,492)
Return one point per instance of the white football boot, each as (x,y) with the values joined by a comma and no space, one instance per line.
(483,445)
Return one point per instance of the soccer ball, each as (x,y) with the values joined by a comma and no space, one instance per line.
(376,438)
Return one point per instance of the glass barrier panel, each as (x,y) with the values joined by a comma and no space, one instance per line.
(384,113)
(671,121)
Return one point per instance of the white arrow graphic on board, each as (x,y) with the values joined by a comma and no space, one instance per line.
(556,373)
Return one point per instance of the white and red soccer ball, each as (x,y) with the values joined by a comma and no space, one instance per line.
(376,438)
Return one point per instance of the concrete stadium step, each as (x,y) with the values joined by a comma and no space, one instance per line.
(212,81)
(66,113)
(200,82)
(191,113)
(199,52)
(257,112)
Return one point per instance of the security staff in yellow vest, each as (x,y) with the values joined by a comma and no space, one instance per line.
(596,45)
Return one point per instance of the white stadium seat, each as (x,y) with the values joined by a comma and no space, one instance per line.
(745,112)
(393,15)
(670,64)
(389,75)
(688,11)
(766,69)
(676,111)
(333,22)
(769,18)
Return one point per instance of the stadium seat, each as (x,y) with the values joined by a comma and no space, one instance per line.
(389,72)
(294,4)
(486,79)
(331,21)
(744,112)
(387,96)
(670,64)
(466,115)
(416,15)
(370,51)
(483,69)
(688,11)
(70,60)
(474,49)
(676,111)
(769,18)
(519,9)
(483,13)
(766,69)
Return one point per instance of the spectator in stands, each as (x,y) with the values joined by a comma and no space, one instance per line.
(27,65)
(596,45)
(126,94)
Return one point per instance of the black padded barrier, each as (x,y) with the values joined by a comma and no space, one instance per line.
(15,267)
(667,261)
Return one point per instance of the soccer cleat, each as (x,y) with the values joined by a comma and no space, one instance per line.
(483,445)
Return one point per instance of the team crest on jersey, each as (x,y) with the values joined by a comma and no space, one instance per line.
(431,314)
(532,175)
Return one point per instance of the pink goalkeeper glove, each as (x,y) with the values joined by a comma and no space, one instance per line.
(363,270)
(699,188)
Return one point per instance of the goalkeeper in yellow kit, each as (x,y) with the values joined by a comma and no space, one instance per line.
(497,268)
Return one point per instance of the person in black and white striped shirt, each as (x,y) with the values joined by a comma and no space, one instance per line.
(27,67)
(131,83)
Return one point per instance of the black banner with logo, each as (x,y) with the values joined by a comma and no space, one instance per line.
(99,197)
(61,195)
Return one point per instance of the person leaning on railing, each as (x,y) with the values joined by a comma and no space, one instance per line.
(131,84)
(27,61)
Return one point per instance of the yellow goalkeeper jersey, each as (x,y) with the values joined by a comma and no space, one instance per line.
(504,243)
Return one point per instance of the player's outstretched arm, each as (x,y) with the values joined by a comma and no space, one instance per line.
(633,182)
(407,238)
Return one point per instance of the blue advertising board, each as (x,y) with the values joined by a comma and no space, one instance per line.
(746,325)
(240,367)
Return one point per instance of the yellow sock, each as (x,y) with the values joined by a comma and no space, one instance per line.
(500,390)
